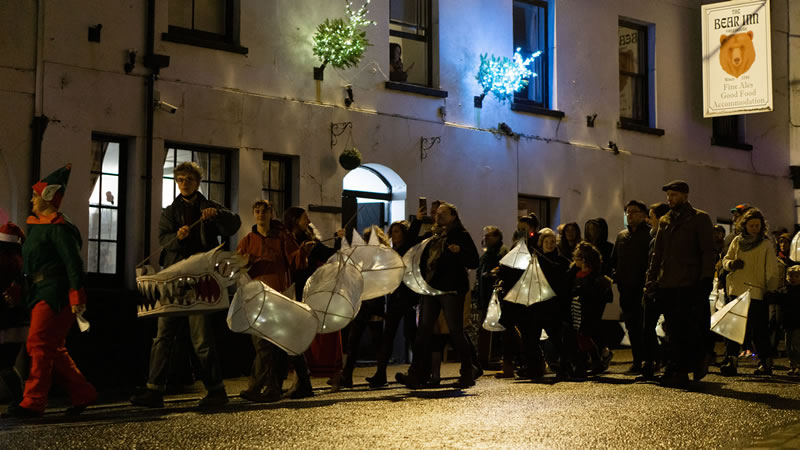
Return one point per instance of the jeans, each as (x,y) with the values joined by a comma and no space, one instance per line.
(204,345)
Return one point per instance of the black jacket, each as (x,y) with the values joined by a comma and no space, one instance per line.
(631,256)
(592,293)
(202,238)
(602,244)
(450,272)
(791,308)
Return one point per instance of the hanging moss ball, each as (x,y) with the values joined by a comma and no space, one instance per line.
(350,158)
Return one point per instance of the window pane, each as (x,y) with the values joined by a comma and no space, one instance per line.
(209,15)
(276,200)
(108,224)
(361,179)
(168,193)
(182,156)
(265,164)
(403,11)
(631,99)
(413,63)
(91,261)
(530,36)
(217,193)
(180,13)
(276,177)
(95,198)
(217,167)
(108,257)
(629,50)
(169,162)
(94,223)
(111,159)
(202,160)
(110,190)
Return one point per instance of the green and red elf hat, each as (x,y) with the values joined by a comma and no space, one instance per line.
(52,187)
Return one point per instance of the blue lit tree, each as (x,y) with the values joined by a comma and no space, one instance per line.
(503,76)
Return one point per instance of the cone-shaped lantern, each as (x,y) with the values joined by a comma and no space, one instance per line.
(519,257)
(381,267)
(413,277)
(794,252)
(259,310)
(492,321)
(334,293)
(731,321)
(532,286)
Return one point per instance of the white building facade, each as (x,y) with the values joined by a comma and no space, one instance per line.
(605,122)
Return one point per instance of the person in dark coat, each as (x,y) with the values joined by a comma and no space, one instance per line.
(444,264)
(568,237)
(681,273)
(790,301)
(180,238)
(596,233)
(629,258)
(14,316)
(590,290)
(486,276)
(652,353)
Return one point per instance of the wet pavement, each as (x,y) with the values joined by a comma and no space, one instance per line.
(608,411)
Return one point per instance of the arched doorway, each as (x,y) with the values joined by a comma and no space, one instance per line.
(372,194)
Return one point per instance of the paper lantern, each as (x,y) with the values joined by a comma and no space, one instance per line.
(259,310)
(731,321)
(334,293)
(794,252)
(492,321)
(532,286)
(519,257)
(381,267)
(413,276)
(198,283)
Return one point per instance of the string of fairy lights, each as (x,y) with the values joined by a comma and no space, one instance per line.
(503,76)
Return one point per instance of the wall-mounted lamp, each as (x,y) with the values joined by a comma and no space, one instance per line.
(348,99)
(613,146)
(590,120)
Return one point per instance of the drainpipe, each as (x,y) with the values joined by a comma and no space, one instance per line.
(39,122)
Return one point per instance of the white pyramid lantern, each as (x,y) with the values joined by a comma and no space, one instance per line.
(492,320)
(519,257)
(413,276)
(259,310)
(532,286)
(794,251)
(381,266)
(731,321)
(334,293)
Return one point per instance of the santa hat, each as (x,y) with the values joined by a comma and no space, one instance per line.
(10,232)
(52,187)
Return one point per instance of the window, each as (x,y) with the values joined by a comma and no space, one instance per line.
(214,166)
(276,183)
(634,86)
(411,42)
(106,209)
(530,36)
(728,131)
(527,204)
(205,23)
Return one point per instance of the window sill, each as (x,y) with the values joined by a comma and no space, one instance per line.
(199,41)
(416,89)
(640,128)
(728,144)
(532,109)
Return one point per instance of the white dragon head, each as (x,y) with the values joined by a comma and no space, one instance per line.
(196,284)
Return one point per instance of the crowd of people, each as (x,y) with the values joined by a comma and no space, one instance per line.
(665,263)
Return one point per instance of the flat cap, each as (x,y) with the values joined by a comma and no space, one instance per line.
(676,185)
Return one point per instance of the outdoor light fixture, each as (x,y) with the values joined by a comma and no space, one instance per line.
(348,100)
(131,61)
(503,76)
(590,120)
(613,146)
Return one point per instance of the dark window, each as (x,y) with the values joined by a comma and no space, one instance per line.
(205,23)
(106,209)
(634,89)
(215,169)
(728,131)
(530,36)
(410,34)
(276,183)
(541,206)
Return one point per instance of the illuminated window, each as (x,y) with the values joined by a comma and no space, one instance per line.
(411,41)
(531,35)
(634,83)
(214,166)
(106,208)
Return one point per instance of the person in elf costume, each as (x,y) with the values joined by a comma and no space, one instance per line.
(52,262)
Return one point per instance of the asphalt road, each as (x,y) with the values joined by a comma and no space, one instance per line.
(610,411)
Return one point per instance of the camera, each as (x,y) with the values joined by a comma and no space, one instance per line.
(162,105)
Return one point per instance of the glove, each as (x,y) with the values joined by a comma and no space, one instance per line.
(737,264)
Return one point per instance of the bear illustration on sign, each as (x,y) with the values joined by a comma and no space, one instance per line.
(736,53)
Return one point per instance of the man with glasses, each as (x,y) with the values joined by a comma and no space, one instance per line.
(179,240)
(629,260)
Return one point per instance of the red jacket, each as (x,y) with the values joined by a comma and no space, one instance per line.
(274,257)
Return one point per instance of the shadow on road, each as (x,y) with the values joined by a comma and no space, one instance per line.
(771,400)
